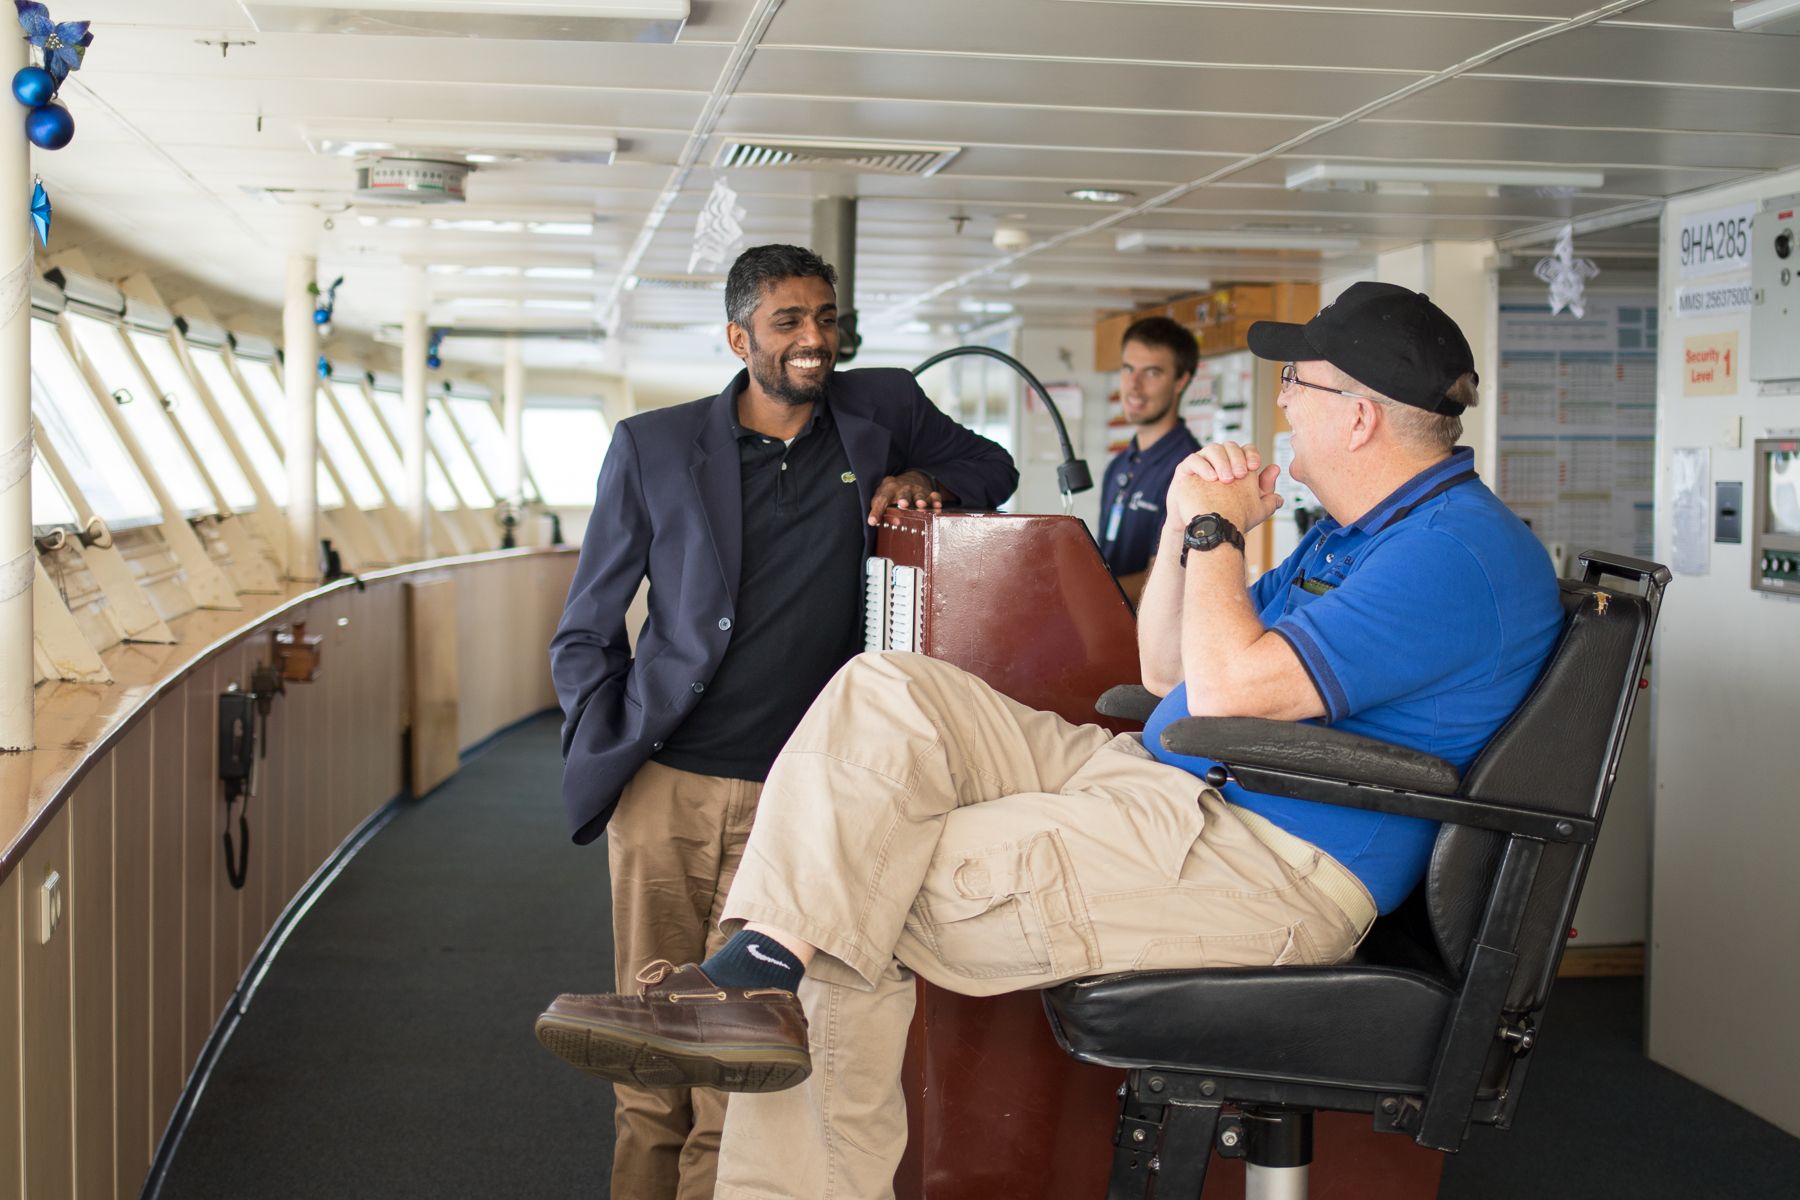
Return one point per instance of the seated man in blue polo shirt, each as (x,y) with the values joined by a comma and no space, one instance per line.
(919,821)
(1157,358)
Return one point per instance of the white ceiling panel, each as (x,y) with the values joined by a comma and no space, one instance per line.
(1604,106)
(953,124)
(177,141)
(326,59)
(600,109)
(1346,39)
(779,71)
(1518,143)
(1722,58)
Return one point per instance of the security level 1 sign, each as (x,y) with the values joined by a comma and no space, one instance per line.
(1710,365)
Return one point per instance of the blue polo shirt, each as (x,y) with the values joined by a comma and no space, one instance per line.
(1132,496)
(1423,623)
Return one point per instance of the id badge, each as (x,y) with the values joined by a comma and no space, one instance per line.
(1112,521)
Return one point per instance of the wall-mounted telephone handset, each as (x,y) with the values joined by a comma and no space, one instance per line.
(240,714)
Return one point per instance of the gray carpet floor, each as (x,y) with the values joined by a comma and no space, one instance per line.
(389,1053)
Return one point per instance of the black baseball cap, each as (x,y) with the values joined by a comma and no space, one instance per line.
(1392,339)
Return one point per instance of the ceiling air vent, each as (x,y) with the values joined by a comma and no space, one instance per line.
(883,158)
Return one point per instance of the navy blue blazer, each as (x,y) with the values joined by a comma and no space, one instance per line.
(669,505)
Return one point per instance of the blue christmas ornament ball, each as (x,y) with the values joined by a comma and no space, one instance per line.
(49,127)
(33,86)
(433,361)
(321,316)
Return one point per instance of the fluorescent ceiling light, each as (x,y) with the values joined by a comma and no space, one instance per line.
(562,305)
(1096,195)
(537,20)
(996,308)
(1767,16)
(1231,239)
(481,142)
(1167,285)
(1325,177)
(564,228)
(477,225)
(559,272)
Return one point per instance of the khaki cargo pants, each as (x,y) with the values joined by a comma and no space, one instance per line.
(919,820)
(672,847)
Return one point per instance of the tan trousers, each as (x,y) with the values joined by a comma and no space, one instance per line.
(919,819)
(673,846)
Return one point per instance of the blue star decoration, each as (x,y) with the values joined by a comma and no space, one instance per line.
(40,212)
(63,44)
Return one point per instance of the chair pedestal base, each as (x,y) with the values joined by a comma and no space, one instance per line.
(1274,1183)
(997,1111)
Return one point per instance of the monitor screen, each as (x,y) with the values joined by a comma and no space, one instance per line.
(1783,515)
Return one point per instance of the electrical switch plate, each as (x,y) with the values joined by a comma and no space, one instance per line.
(50,906)
(1732,432)
(1728,512)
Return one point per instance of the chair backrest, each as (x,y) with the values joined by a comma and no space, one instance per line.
(1559,753)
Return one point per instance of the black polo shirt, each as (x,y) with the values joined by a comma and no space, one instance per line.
(799,602)
(1133,493)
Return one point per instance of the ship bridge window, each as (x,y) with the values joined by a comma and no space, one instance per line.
(142,407)
(50,508)
(487,439)
(335,440)
(443,497)
(565,441)
(371,434)
(82,437)
(450,448)
(169,378)
(269,394)
(243,422)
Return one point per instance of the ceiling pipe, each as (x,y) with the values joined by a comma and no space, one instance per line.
(723,90)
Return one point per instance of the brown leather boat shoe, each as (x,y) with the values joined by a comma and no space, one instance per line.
(683,1030)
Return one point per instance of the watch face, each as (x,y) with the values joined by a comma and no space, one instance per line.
(1206,527)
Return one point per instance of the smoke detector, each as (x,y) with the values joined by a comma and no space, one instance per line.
(397,179)
(1011,236)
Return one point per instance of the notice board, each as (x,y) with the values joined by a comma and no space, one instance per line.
(1577,420)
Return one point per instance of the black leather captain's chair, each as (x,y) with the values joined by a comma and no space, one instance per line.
(1430,1027)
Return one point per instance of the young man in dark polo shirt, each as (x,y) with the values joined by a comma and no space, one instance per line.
(1157,358)
(750,513)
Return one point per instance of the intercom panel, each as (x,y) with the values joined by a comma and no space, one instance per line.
(1775,290)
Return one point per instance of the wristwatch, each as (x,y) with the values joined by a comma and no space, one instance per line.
(1208,530)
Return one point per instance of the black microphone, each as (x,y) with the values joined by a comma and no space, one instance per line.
(1073,475)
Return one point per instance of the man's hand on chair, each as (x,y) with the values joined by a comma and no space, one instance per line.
(909,489)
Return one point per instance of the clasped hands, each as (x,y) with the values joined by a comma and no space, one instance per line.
(1224,478)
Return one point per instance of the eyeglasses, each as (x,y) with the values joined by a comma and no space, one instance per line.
(1290,377)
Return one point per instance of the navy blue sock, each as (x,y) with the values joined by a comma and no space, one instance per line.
(754,960)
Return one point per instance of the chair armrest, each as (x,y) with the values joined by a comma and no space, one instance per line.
(1312,762)
(1311,749)
(1127,702)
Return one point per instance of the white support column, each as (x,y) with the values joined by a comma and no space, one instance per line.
(412,430)
(18,557)
(300,350)
(512,480)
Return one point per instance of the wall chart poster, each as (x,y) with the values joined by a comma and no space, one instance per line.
(1577,419)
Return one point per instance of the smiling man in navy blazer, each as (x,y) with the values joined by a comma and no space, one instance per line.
(751,513)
